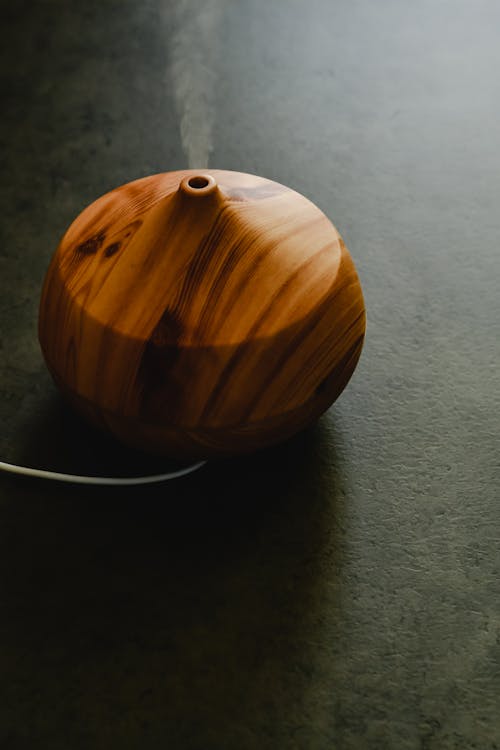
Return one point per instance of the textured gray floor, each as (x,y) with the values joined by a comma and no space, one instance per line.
(342,591)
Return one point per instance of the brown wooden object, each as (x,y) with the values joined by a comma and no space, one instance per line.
(199,313)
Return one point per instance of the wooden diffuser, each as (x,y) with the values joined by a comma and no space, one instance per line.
(201,313)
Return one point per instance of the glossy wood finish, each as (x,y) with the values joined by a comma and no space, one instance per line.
(202,313)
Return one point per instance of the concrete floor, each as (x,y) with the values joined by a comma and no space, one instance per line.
(343,590)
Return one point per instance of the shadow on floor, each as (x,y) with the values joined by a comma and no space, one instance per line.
(163,608)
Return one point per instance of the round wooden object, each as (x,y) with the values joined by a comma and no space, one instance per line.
(199,313)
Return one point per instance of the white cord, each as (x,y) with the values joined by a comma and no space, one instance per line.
(43,474)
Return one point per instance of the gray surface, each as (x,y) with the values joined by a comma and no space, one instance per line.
(342,591)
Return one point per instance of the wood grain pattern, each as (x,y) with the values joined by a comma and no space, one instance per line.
(202,313)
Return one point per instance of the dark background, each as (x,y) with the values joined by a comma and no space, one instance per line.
(342,590)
